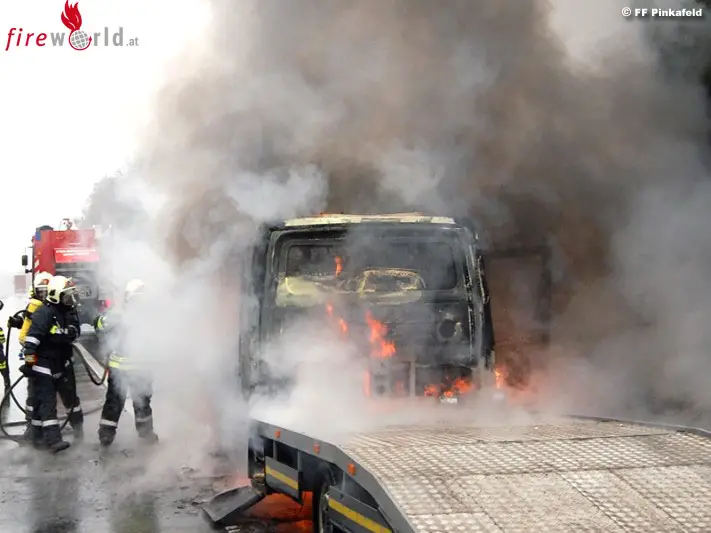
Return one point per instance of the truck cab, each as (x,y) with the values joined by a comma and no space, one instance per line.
(408,290)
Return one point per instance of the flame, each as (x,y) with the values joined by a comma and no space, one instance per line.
(339,265)
(458,387)
(432,390)
(499,377)
(380,347)
(462,385)
(71,17)
(342,324)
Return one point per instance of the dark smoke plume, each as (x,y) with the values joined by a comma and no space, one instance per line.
(461,107)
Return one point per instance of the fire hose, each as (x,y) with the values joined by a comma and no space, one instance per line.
(9,394)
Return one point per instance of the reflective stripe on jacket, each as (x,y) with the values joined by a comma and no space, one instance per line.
(120,363)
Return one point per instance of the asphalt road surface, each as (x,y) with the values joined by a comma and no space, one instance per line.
(86,489)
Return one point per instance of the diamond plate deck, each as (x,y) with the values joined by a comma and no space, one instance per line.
(567,476)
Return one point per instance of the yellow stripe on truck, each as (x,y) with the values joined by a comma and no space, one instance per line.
(357,518)
(283,478)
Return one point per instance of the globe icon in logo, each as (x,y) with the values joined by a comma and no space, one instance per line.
(71,18)
(79,40)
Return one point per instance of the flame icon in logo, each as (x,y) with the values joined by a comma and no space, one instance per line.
(71,18)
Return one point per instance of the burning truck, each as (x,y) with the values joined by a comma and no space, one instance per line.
(410,290)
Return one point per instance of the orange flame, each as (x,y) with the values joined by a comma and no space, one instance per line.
(462,385)
(432,390)
(500,378)
(458,387)
(380,347)
(343,328)
(71,17)
(342,324)
(339,265)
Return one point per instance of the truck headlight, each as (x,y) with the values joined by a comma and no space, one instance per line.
(449,328)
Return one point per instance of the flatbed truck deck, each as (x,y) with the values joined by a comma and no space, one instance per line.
(562,474)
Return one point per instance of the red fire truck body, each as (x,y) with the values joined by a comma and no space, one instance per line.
(72,253)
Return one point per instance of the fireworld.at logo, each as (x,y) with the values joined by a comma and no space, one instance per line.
(78,38)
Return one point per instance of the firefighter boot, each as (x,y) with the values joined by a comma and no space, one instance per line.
(144,420)
(59,446)
(53,437)
(147,435)
(36,437)
(106,436)
(149,438)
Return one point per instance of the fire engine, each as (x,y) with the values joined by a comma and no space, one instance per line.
(71,252)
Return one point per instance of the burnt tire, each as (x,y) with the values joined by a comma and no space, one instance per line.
(320,504)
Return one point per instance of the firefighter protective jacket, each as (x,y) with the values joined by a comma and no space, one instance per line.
(109,326)
(27,322)
(48,343)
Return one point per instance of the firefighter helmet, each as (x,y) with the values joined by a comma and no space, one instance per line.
(135,287)
(39,286)
(62,290)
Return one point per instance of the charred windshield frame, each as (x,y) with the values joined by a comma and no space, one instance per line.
(456,236)
(331,245)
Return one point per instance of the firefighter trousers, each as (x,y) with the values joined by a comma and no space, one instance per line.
(45,424)
(121,383)
(67,390)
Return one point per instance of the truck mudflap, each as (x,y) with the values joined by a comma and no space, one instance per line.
(564,474)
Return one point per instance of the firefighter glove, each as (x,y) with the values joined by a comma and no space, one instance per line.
(15,322)
(26,370)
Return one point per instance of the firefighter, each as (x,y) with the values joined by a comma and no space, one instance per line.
(67,385)
(38,293)
(48,349)
(125,375)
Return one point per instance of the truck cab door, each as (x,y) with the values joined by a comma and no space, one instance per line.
(252,282)
(518,292)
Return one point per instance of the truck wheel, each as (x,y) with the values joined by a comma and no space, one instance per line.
(321,523)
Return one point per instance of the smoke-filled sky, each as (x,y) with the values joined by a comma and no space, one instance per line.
(547,121)
(70,118)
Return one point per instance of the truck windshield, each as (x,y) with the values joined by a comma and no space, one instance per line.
(377,264)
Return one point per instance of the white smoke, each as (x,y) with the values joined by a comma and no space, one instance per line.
(507,111)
